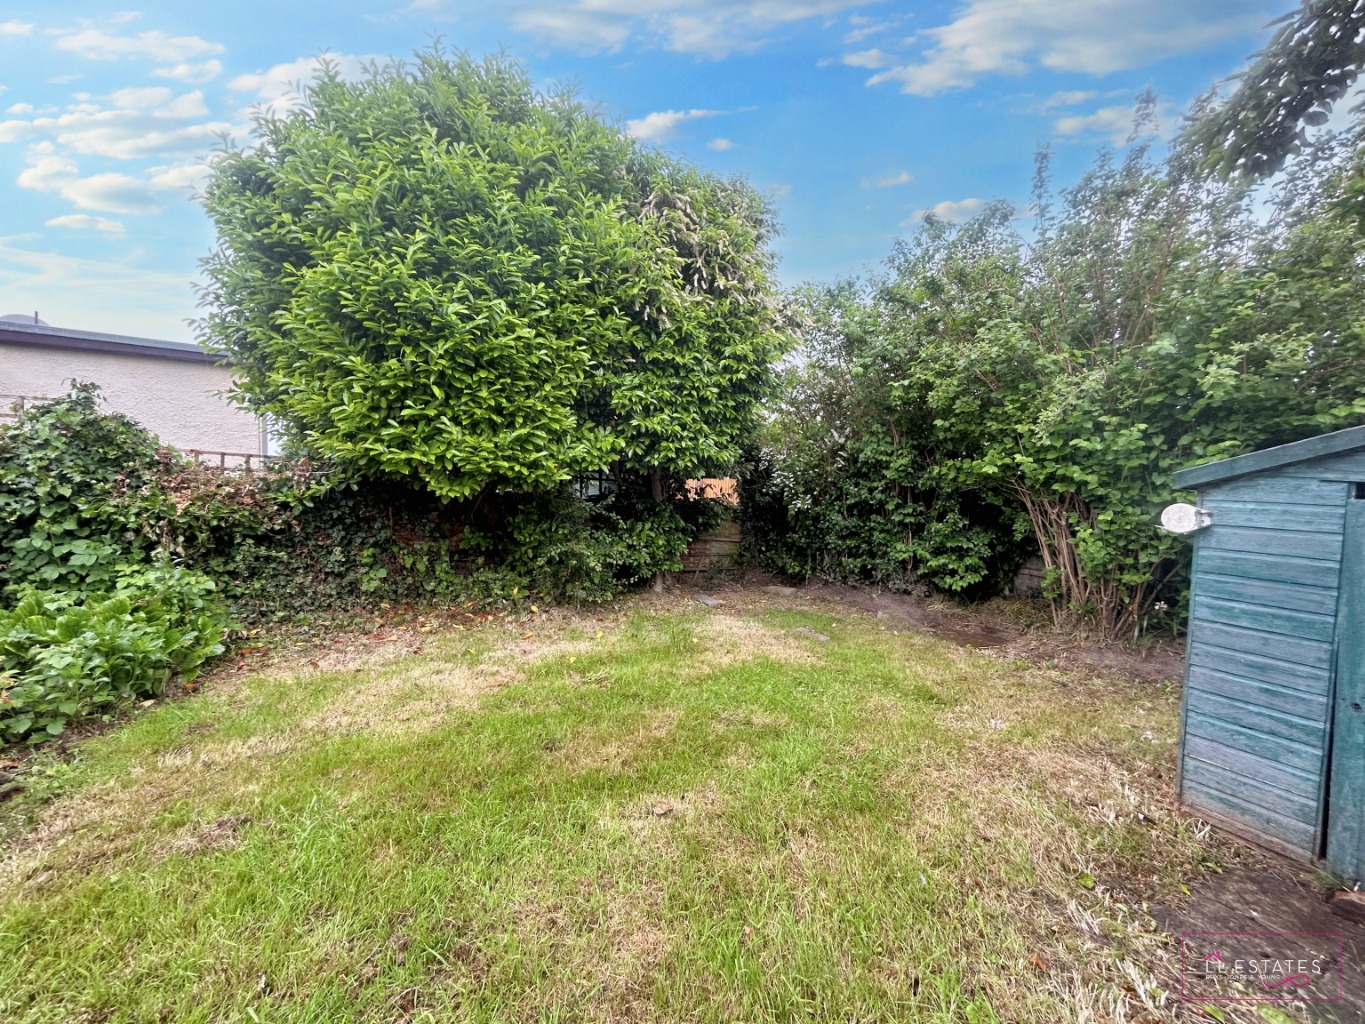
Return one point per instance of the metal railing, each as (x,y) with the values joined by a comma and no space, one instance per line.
(246,462)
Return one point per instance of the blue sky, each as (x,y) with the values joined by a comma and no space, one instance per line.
(856,116)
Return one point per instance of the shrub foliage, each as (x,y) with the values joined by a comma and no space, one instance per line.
(72,653)
(441,276)
(992,387)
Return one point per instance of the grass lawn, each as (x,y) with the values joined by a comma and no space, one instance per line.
(658,813)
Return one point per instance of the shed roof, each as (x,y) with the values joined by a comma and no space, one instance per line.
(1339,442)
(93,341)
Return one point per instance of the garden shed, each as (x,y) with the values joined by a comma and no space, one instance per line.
(1273,718)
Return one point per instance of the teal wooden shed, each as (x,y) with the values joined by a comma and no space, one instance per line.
(1273,718)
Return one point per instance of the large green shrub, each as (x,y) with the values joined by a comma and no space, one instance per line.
(440,276)
(60,467)
(88,493)
(851,480)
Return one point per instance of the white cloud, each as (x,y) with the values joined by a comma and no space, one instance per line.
(1069,98)
(1115,123)
(184,107)
(14,29)
(109,192)
(112,297)
(720,145)
(949,210)
(172,177)
(890,181)
(141,99)
(20,108)
(574,29)
(779,191)
(135,123)
(46,172)
(85,222)
(663,124)
(119,134)
(98,44)
(714,28)
(871,59)
(864,27)
(1011,37)
(1111,121)
(190,73)
(276,88)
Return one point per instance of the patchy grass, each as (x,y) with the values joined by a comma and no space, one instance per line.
(671,815)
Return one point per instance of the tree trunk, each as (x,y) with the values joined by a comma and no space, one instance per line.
(1117,607)
(656,487)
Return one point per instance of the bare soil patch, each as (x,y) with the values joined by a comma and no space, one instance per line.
(1267,893)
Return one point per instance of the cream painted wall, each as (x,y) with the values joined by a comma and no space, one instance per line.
(173,398)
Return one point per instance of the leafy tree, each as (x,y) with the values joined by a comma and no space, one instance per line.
(1309,65)
(1056,384)
(854,480)
(441,275)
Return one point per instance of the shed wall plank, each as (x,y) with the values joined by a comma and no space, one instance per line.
(1252,741)
(1324,546)
(1313,682)
(1300,805)
(1291,489)
(1312,654)
(1220,757)
(1271,567)
(1295,728)
(1268,513)
(1270,593)
(1296,834)
(1310,706)
(1343,467)
(1264,618)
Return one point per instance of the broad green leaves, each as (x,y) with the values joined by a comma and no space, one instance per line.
(1309,65)
(65,654)
(62,466)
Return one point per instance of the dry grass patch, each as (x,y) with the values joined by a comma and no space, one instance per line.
(658,815)
(417,696)
(606,939)
(222,754)
(221,834)
(725,640)
(615,749)
(101,823)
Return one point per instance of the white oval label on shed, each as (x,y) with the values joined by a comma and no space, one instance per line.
(1183,518)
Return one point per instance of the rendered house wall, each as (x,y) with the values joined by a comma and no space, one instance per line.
(178,400)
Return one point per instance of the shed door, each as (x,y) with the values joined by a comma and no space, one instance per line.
(1346,803)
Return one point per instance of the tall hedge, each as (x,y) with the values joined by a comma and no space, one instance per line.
(443,275)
